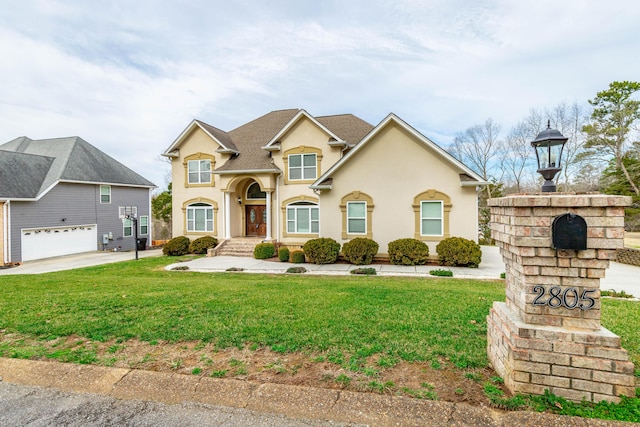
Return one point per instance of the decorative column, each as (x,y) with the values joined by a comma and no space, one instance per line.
(227,215)
(547,335)
(268,236)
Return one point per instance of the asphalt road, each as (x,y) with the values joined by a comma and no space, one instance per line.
(32,406)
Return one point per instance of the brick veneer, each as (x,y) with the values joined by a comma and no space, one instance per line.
(628,256)
(563,350)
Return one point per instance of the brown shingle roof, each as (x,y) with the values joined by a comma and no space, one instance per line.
(220,135)
(347,126)
(251,137)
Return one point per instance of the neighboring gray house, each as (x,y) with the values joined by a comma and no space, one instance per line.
(62,196)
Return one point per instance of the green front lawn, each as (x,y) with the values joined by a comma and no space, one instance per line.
(339,319)
(411,318)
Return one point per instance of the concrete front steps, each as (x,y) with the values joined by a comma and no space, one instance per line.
(236,246)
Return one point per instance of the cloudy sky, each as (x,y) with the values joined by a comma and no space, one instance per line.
(129,76)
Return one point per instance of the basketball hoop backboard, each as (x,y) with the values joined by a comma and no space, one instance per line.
(125,212)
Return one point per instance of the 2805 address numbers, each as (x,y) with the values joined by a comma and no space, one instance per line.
(569,298)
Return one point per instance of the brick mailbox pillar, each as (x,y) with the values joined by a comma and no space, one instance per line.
(547,335)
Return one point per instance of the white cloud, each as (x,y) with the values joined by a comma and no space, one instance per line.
(129,76)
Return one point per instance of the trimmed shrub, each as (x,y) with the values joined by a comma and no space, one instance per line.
(360,251)
(322,251)
(176,246)
(200,245)
(283,254)
(408,252)
(458,251)
(264,251)
(368,271)
(297,257)
(442,273)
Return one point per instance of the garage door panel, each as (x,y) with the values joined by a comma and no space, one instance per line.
(49,242)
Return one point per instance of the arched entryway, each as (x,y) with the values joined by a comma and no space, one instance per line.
(248,207)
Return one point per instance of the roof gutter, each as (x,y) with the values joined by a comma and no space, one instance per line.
(172,155)
(473,183)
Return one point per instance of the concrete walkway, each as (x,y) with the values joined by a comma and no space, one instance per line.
(490,268)
(302,403)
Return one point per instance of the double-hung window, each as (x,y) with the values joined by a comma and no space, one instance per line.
(303,217)
(357,217)
(127,230)
(302,166)
(431,215)
(200,217)
(105,194)
(199,171)
(144,225)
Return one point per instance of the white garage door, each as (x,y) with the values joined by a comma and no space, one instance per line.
(49,242)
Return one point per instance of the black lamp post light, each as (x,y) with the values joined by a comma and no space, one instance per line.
(549,145)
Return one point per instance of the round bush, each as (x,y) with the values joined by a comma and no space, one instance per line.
(360,251)
(264,250)
(297,257)
(458,251)
(322,251)
(202,244)
(283,254)
(176,246)
(408,252)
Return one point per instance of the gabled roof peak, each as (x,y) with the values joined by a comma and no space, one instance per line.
(321,182)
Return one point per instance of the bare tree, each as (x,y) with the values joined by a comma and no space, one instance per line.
(516,156)
(478,147)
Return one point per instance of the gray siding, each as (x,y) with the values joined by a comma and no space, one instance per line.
(108,220)
(79,204)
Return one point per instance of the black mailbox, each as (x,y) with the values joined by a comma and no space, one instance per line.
(569,231)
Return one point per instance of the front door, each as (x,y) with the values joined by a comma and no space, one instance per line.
(256,220)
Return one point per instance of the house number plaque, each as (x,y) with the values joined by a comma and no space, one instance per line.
(570,298)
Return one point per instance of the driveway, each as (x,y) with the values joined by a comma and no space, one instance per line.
(69,262)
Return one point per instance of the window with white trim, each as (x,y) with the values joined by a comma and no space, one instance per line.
(144,225)
(199,171)
(127,227)
(357,217)
(303,217)
(200,217)
(431,215)
(105,194)
(302,166)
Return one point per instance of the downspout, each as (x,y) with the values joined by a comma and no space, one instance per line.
(278,237)
(7,232)
(149,223)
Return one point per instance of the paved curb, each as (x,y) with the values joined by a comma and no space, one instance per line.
(292,401)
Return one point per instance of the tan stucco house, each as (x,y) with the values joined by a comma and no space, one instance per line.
(289,177)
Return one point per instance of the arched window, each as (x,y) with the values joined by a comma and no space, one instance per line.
(303,218)
(200,217)
(254,192)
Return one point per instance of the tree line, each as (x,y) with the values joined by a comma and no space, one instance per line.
(602,152)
